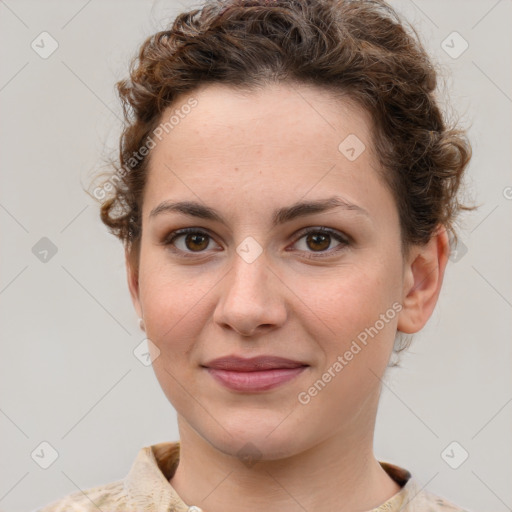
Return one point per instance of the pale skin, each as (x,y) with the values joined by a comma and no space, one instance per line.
(245,156)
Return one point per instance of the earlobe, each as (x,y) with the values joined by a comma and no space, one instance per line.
(423,281)
(132,275)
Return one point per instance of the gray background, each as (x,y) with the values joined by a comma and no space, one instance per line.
(67,369)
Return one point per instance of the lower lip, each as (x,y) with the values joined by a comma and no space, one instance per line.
(255,381)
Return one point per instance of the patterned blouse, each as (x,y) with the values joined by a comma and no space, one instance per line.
(146,488)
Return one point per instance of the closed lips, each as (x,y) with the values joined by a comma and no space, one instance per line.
(254,375)
(254,364)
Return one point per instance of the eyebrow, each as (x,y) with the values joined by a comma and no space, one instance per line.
(281,216)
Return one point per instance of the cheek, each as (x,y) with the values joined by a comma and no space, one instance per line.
(357,316)
(174,312)
(353,311)
(171,303)
(351,297)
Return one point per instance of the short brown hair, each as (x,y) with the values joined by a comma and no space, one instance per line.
(360,50)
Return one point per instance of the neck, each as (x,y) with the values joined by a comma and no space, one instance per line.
(338,473)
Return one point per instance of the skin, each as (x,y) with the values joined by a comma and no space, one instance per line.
(246,155)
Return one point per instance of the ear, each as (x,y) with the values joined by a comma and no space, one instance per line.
(132,274)
(423,278)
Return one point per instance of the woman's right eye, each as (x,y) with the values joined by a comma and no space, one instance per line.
(188,241)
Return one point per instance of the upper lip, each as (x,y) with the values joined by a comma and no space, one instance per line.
(242,364)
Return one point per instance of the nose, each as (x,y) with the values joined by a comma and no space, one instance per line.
(252,298)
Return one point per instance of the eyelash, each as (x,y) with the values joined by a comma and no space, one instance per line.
(320,254)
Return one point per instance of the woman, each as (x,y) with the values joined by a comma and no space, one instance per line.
(285,193)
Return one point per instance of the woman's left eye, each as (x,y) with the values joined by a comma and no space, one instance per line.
(318,239)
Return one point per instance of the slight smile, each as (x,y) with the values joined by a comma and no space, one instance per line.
(255,374)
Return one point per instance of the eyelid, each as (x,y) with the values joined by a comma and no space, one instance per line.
(173,235)
(344,240)
(323,229)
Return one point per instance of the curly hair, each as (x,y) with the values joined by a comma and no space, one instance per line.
(356,49)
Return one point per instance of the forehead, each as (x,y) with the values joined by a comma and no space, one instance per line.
(277,144)
(277,113)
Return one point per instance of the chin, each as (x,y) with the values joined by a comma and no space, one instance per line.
(253,444)
(251,450)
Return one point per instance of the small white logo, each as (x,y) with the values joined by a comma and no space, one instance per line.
(351,147)
(44,455)
(249,250)
(146,352)
(454,455)
(454,45)
(44,45)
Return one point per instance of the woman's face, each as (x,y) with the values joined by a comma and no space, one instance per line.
(255,282)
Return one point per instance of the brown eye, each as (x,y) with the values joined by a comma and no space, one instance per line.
(188,241)
(319,240)
(196,241)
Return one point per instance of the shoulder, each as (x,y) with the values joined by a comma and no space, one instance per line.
(413,497)
(426,501)
(145,488)
(111,497)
